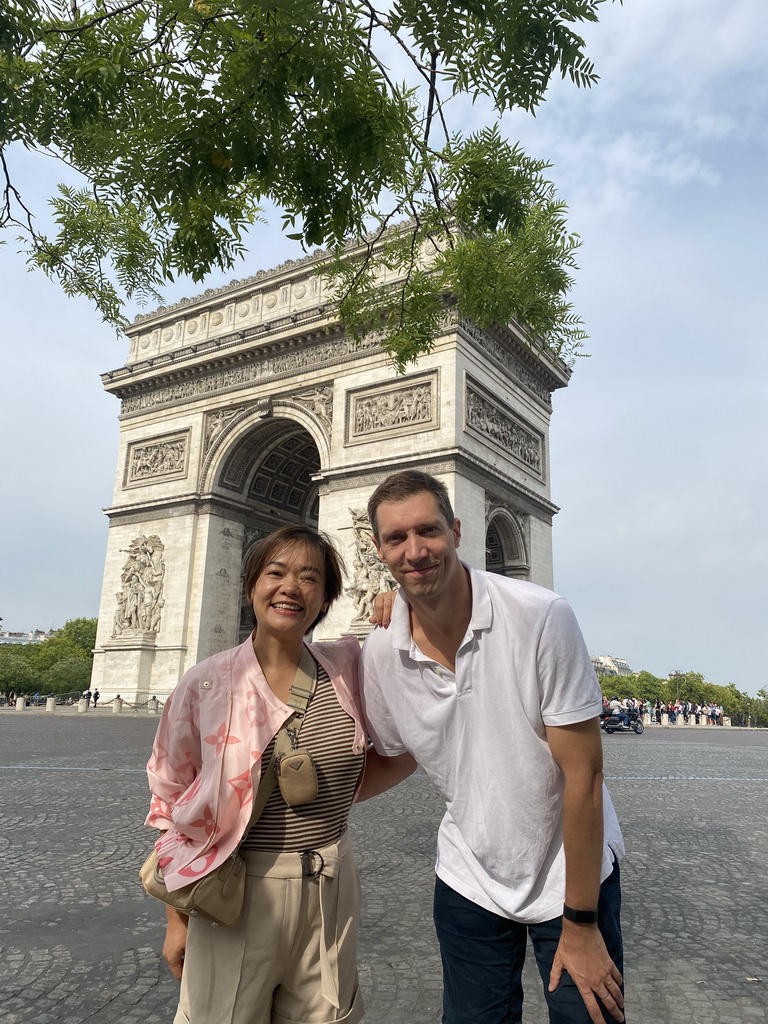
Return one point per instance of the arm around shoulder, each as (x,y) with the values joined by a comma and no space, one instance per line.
(383,773)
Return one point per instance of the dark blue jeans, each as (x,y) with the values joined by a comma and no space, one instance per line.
(483,956)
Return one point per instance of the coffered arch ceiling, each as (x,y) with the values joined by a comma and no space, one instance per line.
(272,467)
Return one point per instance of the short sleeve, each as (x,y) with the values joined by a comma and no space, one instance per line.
(378,718)
(568,685)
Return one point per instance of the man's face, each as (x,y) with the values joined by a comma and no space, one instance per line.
(418,545)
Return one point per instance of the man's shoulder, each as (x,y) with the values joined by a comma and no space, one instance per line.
(378,640)
(514,591)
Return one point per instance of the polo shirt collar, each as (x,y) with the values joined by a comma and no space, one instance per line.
(481,618)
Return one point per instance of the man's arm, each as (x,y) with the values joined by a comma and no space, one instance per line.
(577,750)
(382,773)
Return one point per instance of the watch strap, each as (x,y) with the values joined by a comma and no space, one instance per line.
(579,916)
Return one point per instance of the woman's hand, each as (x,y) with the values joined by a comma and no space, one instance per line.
(382,608)
(175,944)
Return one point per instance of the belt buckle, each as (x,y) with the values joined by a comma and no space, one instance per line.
(307,863)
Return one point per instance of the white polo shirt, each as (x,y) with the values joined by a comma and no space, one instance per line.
(479,733)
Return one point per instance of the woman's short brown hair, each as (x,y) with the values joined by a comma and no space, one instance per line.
(264,552)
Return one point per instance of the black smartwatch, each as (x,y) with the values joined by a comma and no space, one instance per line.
(579,916)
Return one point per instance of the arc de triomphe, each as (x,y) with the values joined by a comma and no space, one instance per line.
(248,408)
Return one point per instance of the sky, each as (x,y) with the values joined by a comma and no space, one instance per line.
(657,446)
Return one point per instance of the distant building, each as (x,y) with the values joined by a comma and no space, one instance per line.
(606,665)
(36,636)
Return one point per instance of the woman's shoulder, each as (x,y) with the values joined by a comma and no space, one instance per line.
(338,653)
(210,668)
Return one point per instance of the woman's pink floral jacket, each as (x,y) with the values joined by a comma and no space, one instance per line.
(215,725)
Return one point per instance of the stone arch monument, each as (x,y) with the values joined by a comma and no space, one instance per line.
(248,407)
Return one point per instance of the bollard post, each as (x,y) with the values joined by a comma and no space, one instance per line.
(152,706)
(50,704)
(21,702)
(82,706)
(117,705)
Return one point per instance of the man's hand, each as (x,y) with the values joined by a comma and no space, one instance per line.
(582,953)
(175,944)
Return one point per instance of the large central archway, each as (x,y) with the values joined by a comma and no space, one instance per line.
(265,468)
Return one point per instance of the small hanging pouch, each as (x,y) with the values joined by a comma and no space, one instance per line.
(295,770)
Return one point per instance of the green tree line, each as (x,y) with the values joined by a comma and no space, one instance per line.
(693,687)
(61,664)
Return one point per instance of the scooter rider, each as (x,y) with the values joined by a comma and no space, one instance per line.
(619,710)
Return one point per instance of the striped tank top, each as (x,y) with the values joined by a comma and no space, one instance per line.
(328,732)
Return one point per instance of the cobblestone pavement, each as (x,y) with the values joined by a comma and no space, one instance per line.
(79,941)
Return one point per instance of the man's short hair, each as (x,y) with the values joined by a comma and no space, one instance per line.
(404,485)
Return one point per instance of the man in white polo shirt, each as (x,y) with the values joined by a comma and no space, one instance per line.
(487,684)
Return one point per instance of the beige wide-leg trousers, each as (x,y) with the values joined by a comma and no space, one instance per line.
(291,958)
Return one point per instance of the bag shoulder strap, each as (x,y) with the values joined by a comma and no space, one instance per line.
(301,693)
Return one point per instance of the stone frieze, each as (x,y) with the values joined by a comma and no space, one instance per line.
(395,408)
(161,457)
(304,357)
(487,418)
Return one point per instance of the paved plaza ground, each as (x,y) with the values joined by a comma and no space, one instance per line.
(79,941)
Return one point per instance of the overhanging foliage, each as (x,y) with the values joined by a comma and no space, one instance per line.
(183,117)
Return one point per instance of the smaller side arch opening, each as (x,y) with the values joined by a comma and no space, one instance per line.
(505,548)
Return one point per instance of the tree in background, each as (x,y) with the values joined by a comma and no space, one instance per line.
(184,116)
(70,675)
(60,664)
(15,673)
(693,687)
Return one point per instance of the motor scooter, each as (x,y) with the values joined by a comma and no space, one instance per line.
(610,722)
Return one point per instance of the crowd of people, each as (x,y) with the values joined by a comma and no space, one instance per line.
(37,698)
(689,712)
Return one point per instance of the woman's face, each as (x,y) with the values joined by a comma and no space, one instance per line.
(290,592)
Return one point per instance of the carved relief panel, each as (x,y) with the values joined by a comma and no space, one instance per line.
(159,458)
(140,600)
(402,407)
(486,417)
(371,576)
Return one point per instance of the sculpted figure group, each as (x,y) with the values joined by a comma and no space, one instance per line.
(140,602)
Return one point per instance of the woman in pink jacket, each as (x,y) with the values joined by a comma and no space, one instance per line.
(291,956)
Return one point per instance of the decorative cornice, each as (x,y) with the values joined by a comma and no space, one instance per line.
(530,366)
(233,286)
(150,511)
(187,360)
(241,371)
(449,460)
(313,259)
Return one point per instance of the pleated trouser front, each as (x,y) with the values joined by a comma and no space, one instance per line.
(291,958)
